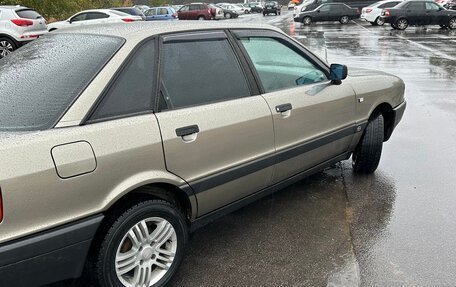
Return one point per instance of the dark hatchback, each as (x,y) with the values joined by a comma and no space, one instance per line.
(328,12)
(271,7)
(413,12)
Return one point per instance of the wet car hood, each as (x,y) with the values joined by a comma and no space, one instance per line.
(360,72)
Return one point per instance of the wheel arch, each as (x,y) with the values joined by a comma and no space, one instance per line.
(10,38)
(388,116)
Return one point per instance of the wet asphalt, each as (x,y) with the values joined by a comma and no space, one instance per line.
(393,228)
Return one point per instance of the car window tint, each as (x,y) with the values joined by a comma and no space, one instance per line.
(96,15)
(415,6)
(325,8)
(184,8)
(79,17)
(201,72)
(132,90)
(432,6)
(150,12)
(280,67)
(28,14)
(163,11)
(39,81)
(388,5)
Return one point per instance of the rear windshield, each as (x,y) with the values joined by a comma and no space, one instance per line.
(39,81)
(28,14)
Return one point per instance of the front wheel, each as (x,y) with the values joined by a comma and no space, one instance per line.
(142,246)
(366,156)
(452,24)
(344,20)
(201,18)
(227,15)
(6,47)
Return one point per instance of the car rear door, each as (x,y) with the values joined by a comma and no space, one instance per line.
(314,120)
(217,130)
(416,13)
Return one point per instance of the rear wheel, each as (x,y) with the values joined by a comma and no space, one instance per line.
(402,24)
(201,18)
(379,21)
(452,24)
(142,246)
(344,20)
(366,156)
(6,47)
(307,20)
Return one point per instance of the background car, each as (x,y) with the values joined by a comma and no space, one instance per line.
(373,13)
(413,12)
(329,12)
(271,7)
(254,8)
(143,8)
(131,11)
(19,25)
(161,14)
(199,11)
(310,5)
(94,17)
(232,7)
(451,5)
(227,13)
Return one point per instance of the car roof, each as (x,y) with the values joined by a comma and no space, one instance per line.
(144,29)
(13,7)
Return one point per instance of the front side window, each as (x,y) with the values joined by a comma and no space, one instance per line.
(325,8)
(79,17)
(432,6)
(199,72)
(184,9)
(132,90)
(280,67)
(40,81)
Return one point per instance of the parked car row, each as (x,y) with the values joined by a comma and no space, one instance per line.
(400,14)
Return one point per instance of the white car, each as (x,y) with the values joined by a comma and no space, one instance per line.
(373,12)
(92,17)
(299,8)
(240,10)
(19,25)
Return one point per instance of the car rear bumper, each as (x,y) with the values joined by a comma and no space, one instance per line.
(49,256)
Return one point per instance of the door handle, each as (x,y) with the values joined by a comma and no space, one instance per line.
(188,130)
(283,108)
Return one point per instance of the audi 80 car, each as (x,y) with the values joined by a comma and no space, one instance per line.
(113,151)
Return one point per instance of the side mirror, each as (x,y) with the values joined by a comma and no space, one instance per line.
(337,73)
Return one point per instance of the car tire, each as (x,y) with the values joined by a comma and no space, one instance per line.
(379,21)
(132,231)
(201,18)
(401,24)
(344,20)
(366,157)
(6,46)
(452,23)
(227,15)
(307,20)
(373,23)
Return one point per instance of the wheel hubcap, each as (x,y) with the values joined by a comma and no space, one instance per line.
(146,252)
(345,19)
(452,24)
(402,24)
(307,20)
(380,21)
(5,48)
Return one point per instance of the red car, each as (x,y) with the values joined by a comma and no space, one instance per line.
(199,11)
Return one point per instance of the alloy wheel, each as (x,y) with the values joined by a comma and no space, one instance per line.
(307,21)
(380,21)
(452,24)
(402,24)
(344,19)
(146,252)
(5,48)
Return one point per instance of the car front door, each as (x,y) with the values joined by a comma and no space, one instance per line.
(433,14)
(183,12)
(151,14)
(217,131)
(314,119)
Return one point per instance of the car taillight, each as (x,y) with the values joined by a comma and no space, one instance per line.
(386,13)
(22,22)
(368,10)
(127,20)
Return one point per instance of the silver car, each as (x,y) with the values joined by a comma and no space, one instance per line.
(19,25)
(112,151)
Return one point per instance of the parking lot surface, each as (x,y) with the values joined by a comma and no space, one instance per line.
(393,228)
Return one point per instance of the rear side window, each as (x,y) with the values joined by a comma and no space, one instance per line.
(132,91)
(28,14)
(416,6)
(199,72)
(96,15)
(40,81)
(388,5)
